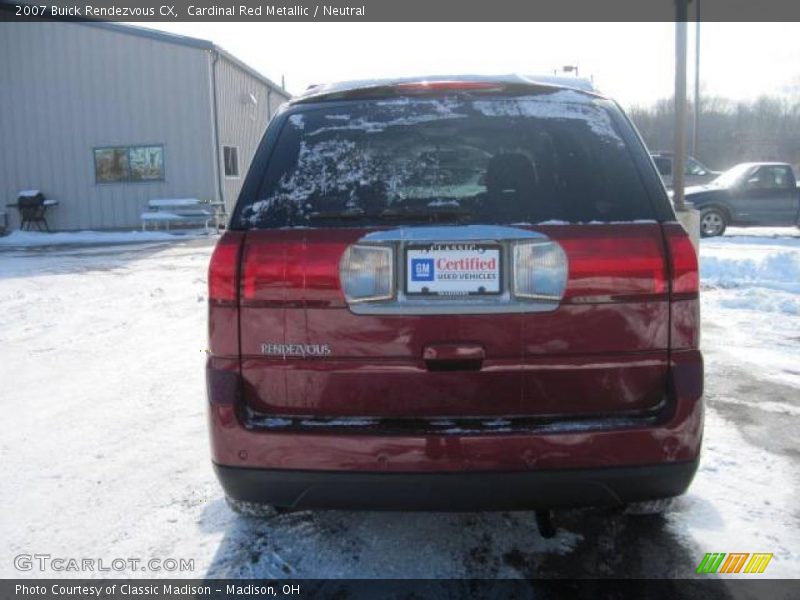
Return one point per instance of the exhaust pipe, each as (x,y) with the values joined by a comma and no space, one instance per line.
(544,521)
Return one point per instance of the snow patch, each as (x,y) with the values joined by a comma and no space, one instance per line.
(750,289)
(66,309)
(755,268)
(28,239)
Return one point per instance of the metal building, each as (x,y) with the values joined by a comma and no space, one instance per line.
(103,117)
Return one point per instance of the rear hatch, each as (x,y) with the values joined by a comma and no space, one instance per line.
(467,255)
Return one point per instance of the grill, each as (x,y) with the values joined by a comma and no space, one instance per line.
(32,208)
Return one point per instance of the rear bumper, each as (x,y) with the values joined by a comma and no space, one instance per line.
(611,486)
(460,470)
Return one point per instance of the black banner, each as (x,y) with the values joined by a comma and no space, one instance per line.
(705,588)
(405,10)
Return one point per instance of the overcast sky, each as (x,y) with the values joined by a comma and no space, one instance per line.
(632,62)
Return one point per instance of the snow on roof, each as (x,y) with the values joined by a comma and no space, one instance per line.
(28,193)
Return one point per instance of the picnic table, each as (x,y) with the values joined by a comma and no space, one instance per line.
(32,207)
(180,210)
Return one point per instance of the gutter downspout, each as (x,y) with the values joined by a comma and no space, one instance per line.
(220,191)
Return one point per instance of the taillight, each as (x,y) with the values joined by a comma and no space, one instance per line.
(367,273)
(222,270)
(540,270)
(683,260)
(613,263)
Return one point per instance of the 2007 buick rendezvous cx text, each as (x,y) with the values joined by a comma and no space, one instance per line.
(502,306)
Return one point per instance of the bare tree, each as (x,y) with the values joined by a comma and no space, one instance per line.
(731,131)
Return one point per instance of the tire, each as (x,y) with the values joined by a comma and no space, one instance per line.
(252,509)
(713,222)
(650,507)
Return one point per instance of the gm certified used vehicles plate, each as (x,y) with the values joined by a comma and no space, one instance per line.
(455,294)
(442,269)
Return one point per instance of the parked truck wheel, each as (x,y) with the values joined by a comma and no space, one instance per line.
(713,222)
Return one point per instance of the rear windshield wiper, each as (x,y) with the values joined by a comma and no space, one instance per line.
(391,215)
(448,215)
(338,215)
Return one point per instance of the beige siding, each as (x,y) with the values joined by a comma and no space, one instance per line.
(67,88)
(242,123)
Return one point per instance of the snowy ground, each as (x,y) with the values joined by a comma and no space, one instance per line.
(30,239)
(103,450)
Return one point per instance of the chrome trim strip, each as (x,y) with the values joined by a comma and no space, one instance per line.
(452,233)
(504,303)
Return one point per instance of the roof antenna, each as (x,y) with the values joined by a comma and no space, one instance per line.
(283,82)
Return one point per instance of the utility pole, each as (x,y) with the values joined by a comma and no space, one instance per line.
(688,216)
(679,153)
(696,124)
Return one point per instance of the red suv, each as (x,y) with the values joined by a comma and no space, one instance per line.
(453,294)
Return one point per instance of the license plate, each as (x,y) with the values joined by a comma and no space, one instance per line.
(453,269)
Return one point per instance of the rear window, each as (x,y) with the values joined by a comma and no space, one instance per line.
(494,160)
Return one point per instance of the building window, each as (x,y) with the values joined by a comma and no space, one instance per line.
(147,163)
(111,164)
(129,163)
(230,155)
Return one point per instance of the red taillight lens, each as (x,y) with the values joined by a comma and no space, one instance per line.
(610,263)
(683,260)
(222,270)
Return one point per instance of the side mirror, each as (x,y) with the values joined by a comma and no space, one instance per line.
(746,184)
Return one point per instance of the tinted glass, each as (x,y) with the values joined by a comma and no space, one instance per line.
(664,165)
(695,168)
(772,178)
(111,164)
(231,159)
(129,163)
(502,160)
(147,163)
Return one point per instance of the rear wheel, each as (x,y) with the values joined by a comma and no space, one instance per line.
(253,509)
(713,222)
(650,507)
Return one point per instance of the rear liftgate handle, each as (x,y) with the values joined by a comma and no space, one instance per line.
(453,357)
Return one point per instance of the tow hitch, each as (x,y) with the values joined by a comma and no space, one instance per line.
(544,521)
